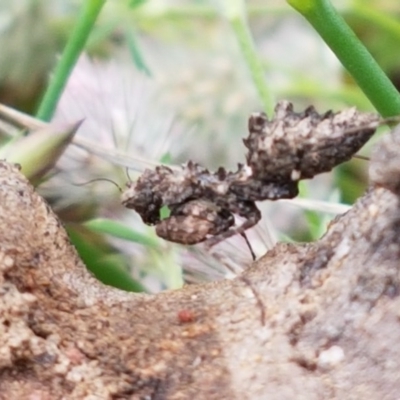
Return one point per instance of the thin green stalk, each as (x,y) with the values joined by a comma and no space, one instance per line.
(351,53)
(235,12)
(76,42)
(254,64)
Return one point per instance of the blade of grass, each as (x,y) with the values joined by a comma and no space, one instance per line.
(316,212)
(19,119)
(38,152)
(88,14)
(107,268)
(317,205)
(136,53)
(121,231)
(352,54)
(164,261)
(235,12)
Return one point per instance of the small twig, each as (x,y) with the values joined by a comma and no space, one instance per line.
(249,246)
(360,157)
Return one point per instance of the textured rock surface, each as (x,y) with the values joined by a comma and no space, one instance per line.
(331,310)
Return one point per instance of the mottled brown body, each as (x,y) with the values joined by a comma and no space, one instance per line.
(295,146)
(281,151)
(192,222)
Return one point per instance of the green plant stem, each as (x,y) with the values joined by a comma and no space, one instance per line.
(254,64)
(235,12)
(76,42)
(351,53)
